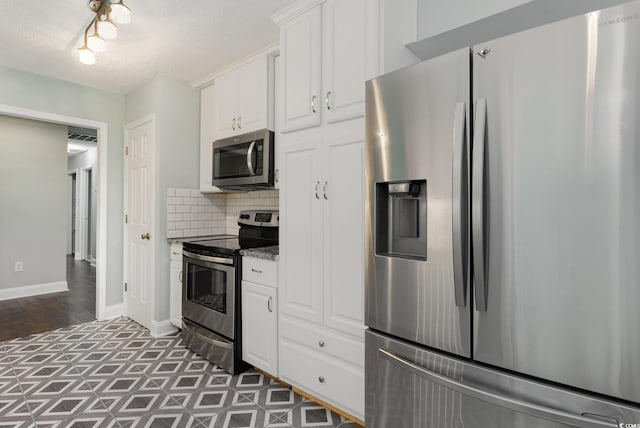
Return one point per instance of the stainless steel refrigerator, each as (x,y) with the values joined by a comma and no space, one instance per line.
(503,232)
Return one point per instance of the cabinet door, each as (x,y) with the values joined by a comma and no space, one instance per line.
(300,42)
(225,106)
(259,326)
(175,293)
(252,95)
(207,132)
(343,197)
(350,56)
(301,239)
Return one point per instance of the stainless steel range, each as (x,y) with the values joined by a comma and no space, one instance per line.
(211,289)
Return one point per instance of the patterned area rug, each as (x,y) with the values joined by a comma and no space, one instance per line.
(114,374)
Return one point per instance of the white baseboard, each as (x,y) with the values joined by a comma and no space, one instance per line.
(162,328)
(92,261)
(114,311)
(33,290)
(77,256)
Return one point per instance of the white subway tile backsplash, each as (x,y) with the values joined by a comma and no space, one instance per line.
(191,213)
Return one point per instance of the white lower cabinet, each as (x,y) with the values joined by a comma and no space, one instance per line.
(321,290)
(260,314)
(175,285)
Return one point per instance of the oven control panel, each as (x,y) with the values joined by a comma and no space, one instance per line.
(266,218)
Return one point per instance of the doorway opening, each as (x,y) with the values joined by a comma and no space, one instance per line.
(95,177)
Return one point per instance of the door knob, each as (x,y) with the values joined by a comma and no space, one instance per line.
(146,236)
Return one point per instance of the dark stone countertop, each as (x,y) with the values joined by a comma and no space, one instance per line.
(266,253)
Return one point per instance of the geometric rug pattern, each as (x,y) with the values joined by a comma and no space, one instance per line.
(114,374)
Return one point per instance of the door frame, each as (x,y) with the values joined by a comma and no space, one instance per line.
(101,185)
(74,215)
(150,118)
(85,202)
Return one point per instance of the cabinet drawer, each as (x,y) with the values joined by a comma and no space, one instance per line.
(260,271)
(322,340)
(176,252)
(329,379)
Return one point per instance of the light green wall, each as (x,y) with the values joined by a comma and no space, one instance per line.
(176,106)
(33,200)
(45,94)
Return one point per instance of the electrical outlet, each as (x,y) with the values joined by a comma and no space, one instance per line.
(18,267)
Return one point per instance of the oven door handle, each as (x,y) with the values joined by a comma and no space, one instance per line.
(220,260)
(252,171)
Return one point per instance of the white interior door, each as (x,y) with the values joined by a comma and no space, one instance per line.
(139,253)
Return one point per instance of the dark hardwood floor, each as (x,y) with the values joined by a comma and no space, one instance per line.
(29,315)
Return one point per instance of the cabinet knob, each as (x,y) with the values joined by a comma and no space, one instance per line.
(321,379)
(321,343)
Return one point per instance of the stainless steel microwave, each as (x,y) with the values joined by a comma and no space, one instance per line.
(244,162)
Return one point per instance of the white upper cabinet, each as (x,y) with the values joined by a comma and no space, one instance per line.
(328,52)
(242,101)
(301,44)
(350,55)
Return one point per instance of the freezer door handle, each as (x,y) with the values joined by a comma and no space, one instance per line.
(478,205)
(535,410)
(459,205)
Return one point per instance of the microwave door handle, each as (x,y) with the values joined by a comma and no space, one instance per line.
(250,158)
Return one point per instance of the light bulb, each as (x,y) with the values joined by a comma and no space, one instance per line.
(86,55)
(107,29)
(120,13)
(96,43)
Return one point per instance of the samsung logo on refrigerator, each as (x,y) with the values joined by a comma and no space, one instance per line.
(618,20)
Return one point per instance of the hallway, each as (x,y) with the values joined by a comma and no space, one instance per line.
(30,315)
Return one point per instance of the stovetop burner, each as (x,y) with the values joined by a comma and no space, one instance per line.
(229,245)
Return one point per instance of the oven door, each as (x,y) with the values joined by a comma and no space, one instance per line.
(208,292)
(244,161)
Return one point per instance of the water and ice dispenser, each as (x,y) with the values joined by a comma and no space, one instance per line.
(401,219)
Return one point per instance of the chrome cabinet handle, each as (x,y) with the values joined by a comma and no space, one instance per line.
(269,304)
(252,171)
(180,276)
(313,104)
(460,183)
(233,124)
(239,122)
(324,191)
(277,175)
(316,186)
(321,343)
(321,379)
(326,100)
(256,270)
(536,410)
(478,206)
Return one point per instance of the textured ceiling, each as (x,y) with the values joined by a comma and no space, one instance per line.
(185,39)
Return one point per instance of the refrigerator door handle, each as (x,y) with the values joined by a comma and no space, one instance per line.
(459,205)
(532,409)
(478,205)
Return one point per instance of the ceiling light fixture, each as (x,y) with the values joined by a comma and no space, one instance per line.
(108,12)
